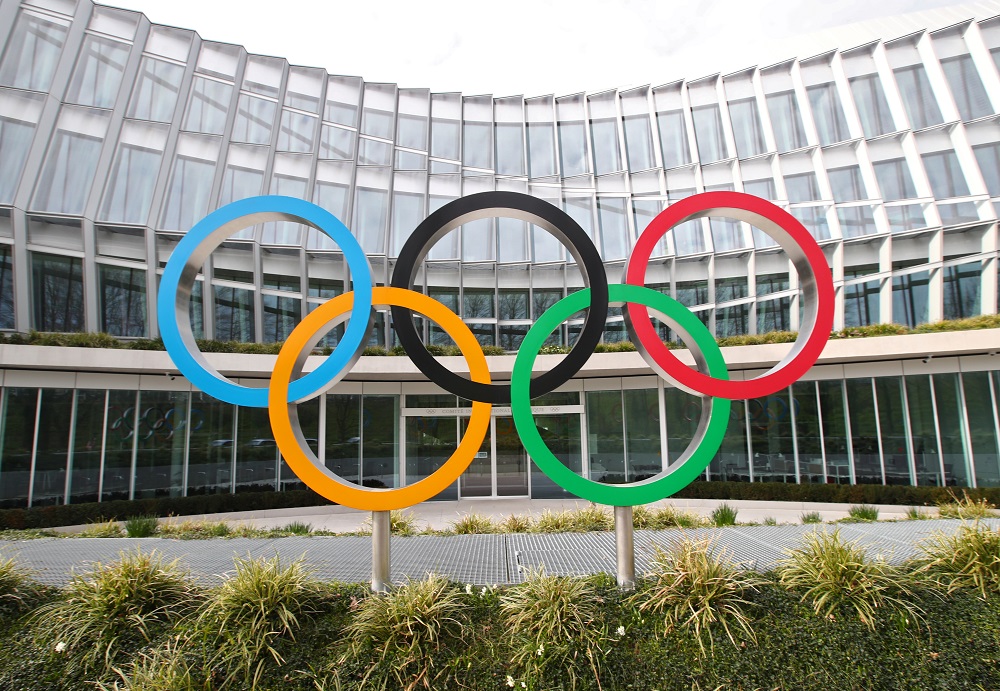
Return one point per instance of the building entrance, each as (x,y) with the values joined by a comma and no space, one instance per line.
(500,468)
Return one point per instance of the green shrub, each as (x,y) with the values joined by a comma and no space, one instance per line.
(141,526)
(493,350)
(832,574)
(968,559)
(691,587)
(871,330)
(102,529)
(197,530)
(811,517)
(473,524)
(770,520)
(165,668)
(669,517)
(262,605)
(405,631)
(965,507)
(553,625)
(723,515)
(915,514)
(113,607)
(592,518)
(553,522)
(862,512)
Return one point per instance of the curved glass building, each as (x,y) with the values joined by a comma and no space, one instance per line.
(117,135)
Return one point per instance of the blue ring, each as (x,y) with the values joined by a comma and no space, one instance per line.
(338,361)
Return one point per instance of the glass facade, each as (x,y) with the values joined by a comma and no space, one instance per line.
(114,146)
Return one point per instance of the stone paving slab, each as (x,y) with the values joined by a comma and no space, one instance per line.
(476,559)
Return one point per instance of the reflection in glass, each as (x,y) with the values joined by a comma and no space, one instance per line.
(6,288)
(257,455)
(979,402)
(510,149)
(380,441)
(254,120)
(119,443)
(967,87)
(869,98)
(923,430)
(57,292)
(123,300)
(614,227)
(770,420)
(861,304)
(233,314)
(98,73)
(746,127)
(32,52)
(945,175)
(828,114)
(605,437)
(130,189)
(212,443)
(561,434)
(894,179)
(808,434)
(835,442)
(336,143)
(572,149)
(962,285)
(541,149)
(708,133)
(15,140)
(673,139)
(161,429)
(52,448)
(208,106)
(921,106)
(642,433)
(430,441)
(948,399)
(774,315)
(65,181)
(892,426)
(864,432)
(281,315)
(343,436)
(187,196)
(296,132)
(910,298)
(789,133)
(155,94)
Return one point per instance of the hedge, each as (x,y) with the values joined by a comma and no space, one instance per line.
(79,514)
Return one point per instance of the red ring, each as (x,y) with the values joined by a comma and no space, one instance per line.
(784,374)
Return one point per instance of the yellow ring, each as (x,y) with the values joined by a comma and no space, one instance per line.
(301,459)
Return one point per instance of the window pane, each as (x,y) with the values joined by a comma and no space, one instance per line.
(187,197)
(903,218)
(961,290)
(6,288)
(563,439)
(444,138)
(814,220)
(118,443)
(709,134)
(605,137)
(746,127)
(864,432)
(430,441)
(732,321)
(476,145)
(572,149)
(807,432)
(541,149)
(380,441)
(638,143)
(921,107)
(802,188)
(155,94)
(130,190)
(949,410)
(336,143)
(98,73)
(123,301)
(614,228)
(15,140)
(209,104)
(987,155)
(161,429)
(861,304)
(68,173)
(606,429)
(642,434)
(57,292)
(774,315)
(873,109)
(296,133)
(910,298)
(673,139)
(967,87)
(847,184)
(945,175)
(254,120)
(370,214)
(210,454)
(510,149)
(727,289)
(281,315)
(20,406)
(979,402)
(33,53)
(771,438)
(856,221)
(52,450)
(240,183)
(789,132)
(894,180)
(233,314)
(831,397)
(343,437)
(828,114)
(923,431)
(892,425)
(85,455)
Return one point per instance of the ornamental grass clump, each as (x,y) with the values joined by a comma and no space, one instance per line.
(473,524)
(965,507)
(298,528)
(811,517)
(723,515)
(406,632)
(17,590)
(553,625)
(102,529)
(968,559)
(833,573)
(113,608)
(255,611)
(141,526)
(166,668)
(515,524)
(693,587)
(863,513)
(591,518)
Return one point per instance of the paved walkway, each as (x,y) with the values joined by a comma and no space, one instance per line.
(475,559)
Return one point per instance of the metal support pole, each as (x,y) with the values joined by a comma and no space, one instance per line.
(380,551)
(625,547)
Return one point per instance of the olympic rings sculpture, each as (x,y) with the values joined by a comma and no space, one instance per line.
(289,387)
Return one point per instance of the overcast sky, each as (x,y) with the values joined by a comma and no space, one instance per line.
(529,47)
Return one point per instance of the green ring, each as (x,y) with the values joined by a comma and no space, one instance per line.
(636,493)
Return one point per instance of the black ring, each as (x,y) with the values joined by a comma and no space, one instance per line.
(504,205)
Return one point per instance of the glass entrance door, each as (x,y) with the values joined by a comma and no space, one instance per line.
(511,460)
(477,480)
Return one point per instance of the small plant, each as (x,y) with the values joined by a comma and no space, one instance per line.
(915,514)
(862,512)
(401,522)
(254,610)
(669,517)
(17,590)
(113,607)
(165,668)
(515,524)
(102,529)
(770,520)
(811,517)
(723,515)
(141,526)
(694,588)
(968,559)
(198,530)
(592,518)
(473,524)
(966,507)
(554,624)
(406,630)
(835,573)
(298,528)
(641,517)
(553,522)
